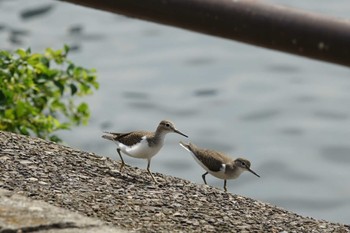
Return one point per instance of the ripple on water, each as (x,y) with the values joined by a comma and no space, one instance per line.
(331,115)
(336,153)
(36,12)
(78,34)
(281,68)
(75,29)
(199,61)
(292,131)
(205,92)
(306,99)
(264,114)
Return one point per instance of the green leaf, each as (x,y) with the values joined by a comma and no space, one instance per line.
(66,49)
(23,130)
(3,99)
(64,126)
(59,85)
(73,88)
(34,59)
(32,93)
(58,106)
(70,69)
(83,108)
(22,53)
(9,114)
(41,68)
(5,54)
(55,138)
(21,109)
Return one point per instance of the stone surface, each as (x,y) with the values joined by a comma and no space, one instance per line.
(21,214)
(93,186)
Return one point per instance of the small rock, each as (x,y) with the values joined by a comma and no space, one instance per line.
(32,179)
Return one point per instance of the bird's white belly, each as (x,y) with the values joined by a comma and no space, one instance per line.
(221,175)
(140,150)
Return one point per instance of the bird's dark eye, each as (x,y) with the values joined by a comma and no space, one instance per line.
(167,125)
(243,164)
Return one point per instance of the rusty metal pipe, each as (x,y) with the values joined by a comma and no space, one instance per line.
(250,21)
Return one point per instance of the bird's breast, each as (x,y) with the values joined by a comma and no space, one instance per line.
(141,150)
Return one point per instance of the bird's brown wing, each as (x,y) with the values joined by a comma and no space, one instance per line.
(211,159)
(129,139)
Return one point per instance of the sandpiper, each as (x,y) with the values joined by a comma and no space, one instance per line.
(218,164)
(142,144)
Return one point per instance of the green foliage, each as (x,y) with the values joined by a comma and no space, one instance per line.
(38,92)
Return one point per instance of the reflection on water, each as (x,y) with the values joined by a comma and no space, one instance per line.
(286,114)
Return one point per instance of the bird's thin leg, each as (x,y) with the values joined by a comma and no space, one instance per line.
(149,172)
(225,186)
(120,155)
(203,176)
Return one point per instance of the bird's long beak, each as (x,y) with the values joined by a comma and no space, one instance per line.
(252,172)
(176,131)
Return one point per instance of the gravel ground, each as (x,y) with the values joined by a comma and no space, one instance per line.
(92,185)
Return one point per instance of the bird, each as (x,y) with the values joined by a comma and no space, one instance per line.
(142,144)
(218,164)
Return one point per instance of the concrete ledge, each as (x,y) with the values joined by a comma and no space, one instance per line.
(21,214)
(92,186)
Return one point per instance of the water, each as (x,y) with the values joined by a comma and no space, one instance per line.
(288,115)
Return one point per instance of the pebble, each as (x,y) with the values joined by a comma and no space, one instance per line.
(32,179)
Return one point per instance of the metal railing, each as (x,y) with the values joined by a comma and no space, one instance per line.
(280,28)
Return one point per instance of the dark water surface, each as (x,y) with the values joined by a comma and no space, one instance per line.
(288,115)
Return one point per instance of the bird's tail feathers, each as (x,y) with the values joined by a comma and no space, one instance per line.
(108,136)
(110,133)
(186,146)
